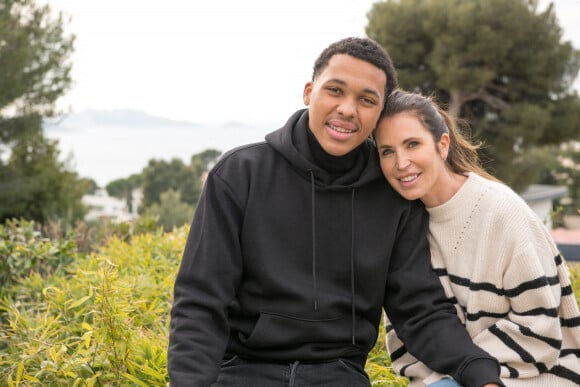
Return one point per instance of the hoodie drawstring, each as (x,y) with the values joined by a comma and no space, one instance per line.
(314,288)
(352,292)
(352,253)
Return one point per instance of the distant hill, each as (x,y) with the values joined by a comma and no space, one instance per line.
(110,145)
(122,117)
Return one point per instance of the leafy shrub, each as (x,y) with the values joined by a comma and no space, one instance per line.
(575,279)
(104,321)
(379,365)
(23,250)
(171,211)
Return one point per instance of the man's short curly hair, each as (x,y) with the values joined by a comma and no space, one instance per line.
(363,49)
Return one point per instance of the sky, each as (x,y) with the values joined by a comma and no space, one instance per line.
(212,61)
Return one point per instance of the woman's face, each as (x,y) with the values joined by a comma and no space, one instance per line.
(411,161)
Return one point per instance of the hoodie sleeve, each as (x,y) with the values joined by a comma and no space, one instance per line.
(210,272)
(416,305)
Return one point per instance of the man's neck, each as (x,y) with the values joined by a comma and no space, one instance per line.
(335,165)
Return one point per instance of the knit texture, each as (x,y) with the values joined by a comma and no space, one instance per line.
(500,267)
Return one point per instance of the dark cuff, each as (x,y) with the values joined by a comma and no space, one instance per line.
(480,372)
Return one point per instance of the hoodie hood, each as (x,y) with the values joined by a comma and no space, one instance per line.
(290,141)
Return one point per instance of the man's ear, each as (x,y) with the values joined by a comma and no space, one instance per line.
(306,93)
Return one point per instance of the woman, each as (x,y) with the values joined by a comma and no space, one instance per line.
(494,257)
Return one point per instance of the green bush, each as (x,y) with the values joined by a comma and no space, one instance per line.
(575,278)
(23,250)
(104,323)
(379,365)
(104,320)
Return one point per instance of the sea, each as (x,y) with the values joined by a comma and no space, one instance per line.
(110,152)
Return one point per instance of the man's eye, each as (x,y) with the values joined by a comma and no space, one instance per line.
(368,101)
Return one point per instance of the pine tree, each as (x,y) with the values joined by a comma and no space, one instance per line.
(501,65)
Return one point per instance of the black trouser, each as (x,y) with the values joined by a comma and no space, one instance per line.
(244,373)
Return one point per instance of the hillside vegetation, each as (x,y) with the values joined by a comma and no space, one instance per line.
(99,319)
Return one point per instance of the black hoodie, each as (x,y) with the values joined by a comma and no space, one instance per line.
(286,261)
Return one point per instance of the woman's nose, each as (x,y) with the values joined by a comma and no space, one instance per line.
(402,161)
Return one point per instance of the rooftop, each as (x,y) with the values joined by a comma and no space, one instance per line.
(543,191)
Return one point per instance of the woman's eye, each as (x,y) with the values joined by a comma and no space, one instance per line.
(387,152)
(413,144)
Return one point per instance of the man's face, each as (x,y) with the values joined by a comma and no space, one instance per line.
(345,102)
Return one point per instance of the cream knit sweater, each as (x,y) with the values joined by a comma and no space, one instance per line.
(499,265)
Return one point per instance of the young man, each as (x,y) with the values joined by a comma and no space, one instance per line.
(298,243)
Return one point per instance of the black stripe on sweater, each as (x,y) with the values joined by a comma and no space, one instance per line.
(524,355)
(567,290)
(565,373)
(574,351)
(482,313)
(537,283)
(475,285)
(570,322)
(441,271)
(510,343)
(403,371)
(398,353)
(513,372)
(557,344)
(549,312)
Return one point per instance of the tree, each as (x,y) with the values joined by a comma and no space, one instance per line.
(170,212)
(206,159)
(36,186)
(34,71)
(123,188)
(35,63)
(199,164)
(499,64)
(160,176)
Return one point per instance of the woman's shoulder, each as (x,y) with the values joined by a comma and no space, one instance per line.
(499,197)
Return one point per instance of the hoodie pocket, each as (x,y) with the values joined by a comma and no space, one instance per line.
(274,330)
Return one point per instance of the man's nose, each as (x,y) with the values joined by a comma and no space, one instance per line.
(347,107)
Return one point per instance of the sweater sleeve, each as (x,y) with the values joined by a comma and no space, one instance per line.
(406,364)
(527,340)
(416,305)
(209,273)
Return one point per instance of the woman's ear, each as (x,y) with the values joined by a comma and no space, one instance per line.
(443,146)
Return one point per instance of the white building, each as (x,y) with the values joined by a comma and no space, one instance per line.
(103,206)
(540,198)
